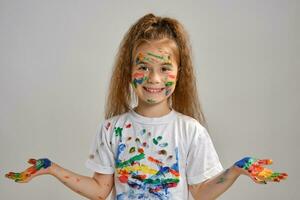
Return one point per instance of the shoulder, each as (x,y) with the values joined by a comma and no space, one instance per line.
(189,122)
(107,124)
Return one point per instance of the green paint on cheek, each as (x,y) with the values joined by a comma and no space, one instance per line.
(170,83)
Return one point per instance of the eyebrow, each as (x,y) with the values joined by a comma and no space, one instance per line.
(165,63)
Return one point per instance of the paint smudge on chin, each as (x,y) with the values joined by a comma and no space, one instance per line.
(151,101)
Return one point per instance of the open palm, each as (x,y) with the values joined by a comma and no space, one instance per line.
(254,169)
(38,167)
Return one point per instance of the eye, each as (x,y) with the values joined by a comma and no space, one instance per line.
(165,69)
(143,67)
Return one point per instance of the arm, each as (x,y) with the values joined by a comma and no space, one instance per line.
(97,187)
(214,187)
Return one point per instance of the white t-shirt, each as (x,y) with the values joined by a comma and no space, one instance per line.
(153,158)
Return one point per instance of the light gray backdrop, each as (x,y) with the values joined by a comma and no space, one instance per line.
(56,59)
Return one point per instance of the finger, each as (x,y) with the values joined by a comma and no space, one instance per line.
(258,181)
(32,161)
(23,180)
(13,175)
(283,175)
(18,176)
(264,161)
(276,177)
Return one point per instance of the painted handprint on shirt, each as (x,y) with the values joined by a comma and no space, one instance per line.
(145,165)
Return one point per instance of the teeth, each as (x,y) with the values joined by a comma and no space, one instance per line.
(153,90)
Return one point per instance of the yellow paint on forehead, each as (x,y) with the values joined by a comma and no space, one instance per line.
(164,47)
(153,58)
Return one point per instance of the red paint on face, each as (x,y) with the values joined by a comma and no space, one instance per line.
(138,75)
(171,76)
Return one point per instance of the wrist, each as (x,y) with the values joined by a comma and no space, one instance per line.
(236,171)
(53,168)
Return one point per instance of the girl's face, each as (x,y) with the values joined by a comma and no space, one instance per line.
(154,72)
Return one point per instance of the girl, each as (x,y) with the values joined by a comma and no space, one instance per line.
(159,149)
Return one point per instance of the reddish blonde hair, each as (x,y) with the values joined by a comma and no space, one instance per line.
(150,27)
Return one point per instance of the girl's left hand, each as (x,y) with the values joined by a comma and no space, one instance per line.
(253,168)
(39,167)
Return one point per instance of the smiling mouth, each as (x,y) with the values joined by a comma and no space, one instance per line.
(153,90)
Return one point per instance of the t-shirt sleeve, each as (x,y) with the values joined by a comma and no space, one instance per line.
(101,157)
(202,160)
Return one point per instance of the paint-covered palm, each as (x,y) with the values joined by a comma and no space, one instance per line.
(254,169)
(38,167)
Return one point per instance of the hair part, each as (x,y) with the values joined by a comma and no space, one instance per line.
(148,28)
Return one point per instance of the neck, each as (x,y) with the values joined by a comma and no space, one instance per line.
(153,110)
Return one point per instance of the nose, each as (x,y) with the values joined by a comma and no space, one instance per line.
(154,77)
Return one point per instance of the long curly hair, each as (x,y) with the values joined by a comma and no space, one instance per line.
(150,27)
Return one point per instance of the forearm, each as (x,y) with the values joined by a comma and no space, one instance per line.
(214,187)
(83,185)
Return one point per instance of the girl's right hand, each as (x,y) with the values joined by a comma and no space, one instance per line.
(254,168)
(39,167)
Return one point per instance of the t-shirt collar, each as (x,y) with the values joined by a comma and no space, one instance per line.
(153,120)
